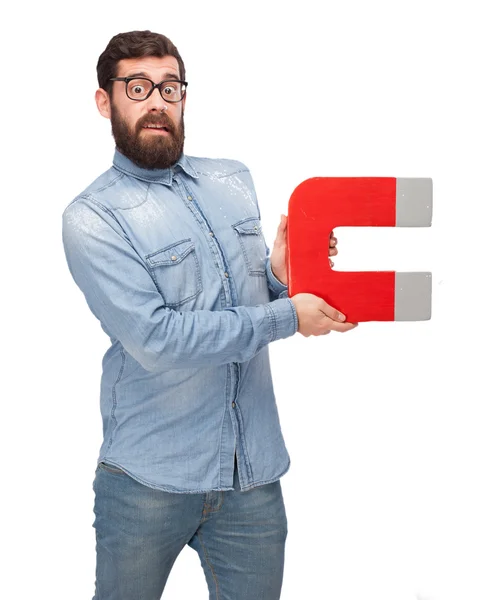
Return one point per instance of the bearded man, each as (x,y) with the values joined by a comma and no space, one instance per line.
(169,253)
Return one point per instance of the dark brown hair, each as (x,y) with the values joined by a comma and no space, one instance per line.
(133,44)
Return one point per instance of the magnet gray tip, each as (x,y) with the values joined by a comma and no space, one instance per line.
(412,301)
(413,202)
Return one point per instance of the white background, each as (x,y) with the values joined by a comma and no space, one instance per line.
(382,423)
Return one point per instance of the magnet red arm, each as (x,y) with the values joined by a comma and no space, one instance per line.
(320,204)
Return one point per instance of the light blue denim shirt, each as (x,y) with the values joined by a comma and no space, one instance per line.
(174,264)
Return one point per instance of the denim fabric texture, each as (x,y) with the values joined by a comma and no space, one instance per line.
(174,264)
(239,536)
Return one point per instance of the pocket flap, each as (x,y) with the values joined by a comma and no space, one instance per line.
(249,227)
(172,254)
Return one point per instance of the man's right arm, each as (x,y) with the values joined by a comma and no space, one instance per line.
(122,295)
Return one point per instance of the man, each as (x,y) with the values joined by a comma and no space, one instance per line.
(169,253)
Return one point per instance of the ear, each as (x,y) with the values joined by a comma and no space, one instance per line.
(183,102)
(102,100)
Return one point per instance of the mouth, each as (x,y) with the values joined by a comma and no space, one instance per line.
(158,129)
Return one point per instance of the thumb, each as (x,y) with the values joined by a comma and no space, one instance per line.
(331,312)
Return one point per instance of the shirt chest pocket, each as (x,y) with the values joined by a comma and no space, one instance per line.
(251,239)
(176,272)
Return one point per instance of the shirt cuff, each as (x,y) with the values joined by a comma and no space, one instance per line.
(283,318)
(274,284)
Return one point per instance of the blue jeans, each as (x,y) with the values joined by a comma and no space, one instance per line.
(239,536)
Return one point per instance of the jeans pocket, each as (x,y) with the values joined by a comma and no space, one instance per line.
(253,245)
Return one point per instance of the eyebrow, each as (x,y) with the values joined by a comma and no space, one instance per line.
(167,76)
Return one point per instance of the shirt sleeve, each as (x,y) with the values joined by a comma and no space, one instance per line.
(121,293)
(277,289)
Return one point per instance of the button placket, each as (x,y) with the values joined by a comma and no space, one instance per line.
(215,249)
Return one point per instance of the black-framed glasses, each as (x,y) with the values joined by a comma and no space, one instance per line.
(141,88)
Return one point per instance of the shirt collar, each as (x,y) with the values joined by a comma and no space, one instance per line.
(127,166)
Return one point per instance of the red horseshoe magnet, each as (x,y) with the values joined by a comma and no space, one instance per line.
(320,204)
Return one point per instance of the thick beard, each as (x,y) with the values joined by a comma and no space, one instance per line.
(158,152)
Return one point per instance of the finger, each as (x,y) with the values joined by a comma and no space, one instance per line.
(331,312)
(284,220)
(343,327)
(280,234)
(333,241)
(282,225)
(331,264)
(333,251)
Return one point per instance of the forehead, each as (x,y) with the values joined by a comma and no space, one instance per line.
(153,66)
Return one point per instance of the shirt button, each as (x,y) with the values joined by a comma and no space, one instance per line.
(190,198)
(226,275)
(173,258)
(233,404)
(211,233)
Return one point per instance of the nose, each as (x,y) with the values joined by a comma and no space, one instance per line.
(155,102)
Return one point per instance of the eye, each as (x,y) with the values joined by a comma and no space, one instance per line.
(170,89)
(138,88)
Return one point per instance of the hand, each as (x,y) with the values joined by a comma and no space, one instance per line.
(279,253)
(317,317)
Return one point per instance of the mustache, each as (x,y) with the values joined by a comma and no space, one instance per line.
(163,121)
